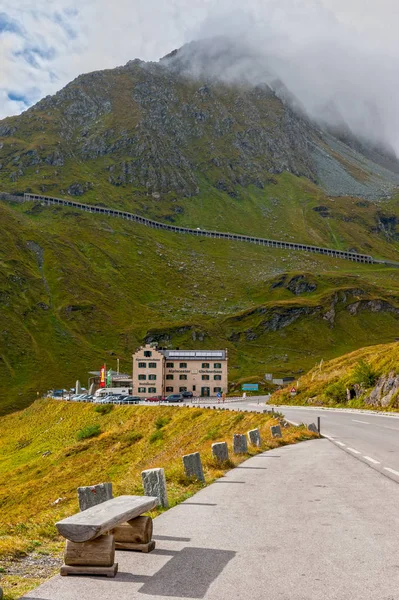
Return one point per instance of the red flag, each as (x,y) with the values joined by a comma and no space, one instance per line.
(102,377)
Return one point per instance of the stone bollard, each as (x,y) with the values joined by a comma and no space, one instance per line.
(276,431)
(240,445)
(193,466)
(254,437)
(154,483)
(220,452)
(92,495)
(312,427)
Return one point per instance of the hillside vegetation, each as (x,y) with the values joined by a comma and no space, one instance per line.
(42,462)
(78,289)
(367,378)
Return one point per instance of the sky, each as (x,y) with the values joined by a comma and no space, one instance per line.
(336,56)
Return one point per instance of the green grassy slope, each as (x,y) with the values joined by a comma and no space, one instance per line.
(78,289)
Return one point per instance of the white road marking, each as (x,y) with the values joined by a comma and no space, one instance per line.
(391,471)
(391,428)
(372,460)
(329,437)
(339,443)
(364,422)
(353,450)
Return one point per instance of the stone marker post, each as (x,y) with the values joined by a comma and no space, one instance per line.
(220,452)
(193,466)
(154,483)
(276,431)
(254,437)
(240,445)
(92,495)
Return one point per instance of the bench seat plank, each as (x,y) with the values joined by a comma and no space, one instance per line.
(97,520)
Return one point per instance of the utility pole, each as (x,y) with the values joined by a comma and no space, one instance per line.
(117,368)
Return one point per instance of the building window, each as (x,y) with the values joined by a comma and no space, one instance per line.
(152,390)
(182,389)
(169,376)
(183,365)
(152,365)
(216,390)
(194,388)
(147,353)
(205,365)
(217,366)
(142,365)
(152,377)
(142,377)
(169,389)
(142,390)
(216,377)
(205,377)
(184,377)
(170,365)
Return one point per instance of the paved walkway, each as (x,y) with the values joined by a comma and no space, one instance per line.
(301,522)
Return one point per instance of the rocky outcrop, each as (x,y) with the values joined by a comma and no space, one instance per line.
(386,392)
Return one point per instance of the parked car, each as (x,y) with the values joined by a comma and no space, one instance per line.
(187,394)
(175,398)
(130,400)
(156,399)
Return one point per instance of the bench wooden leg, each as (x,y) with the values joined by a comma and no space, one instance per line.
(135,535)
(96,557)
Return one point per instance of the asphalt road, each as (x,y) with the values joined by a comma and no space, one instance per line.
(370,437)
(302,522)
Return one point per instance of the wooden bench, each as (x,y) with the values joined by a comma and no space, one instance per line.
(93,534)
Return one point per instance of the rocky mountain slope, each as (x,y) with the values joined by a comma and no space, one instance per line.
(148,130)
(78,289)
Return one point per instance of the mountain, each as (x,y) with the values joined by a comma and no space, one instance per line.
(78,289)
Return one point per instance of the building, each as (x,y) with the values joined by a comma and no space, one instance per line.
(159,372)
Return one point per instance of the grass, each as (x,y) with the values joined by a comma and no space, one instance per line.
(31,480)
(105,285)
(328,382)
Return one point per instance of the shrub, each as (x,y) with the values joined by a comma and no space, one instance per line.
(88,432)
(212,434)
(104,409)
(363,374)
(161,422)
(134,437)
(157,435)
(336,392)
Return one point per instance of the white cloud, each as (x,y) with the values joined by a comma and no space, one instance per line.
(341,52)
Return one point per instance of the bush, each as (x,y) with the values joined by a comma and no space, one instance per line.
(134,437)
(363,374)
(157,435)
(161,422)
(336,392)
(88,432)
(104,409)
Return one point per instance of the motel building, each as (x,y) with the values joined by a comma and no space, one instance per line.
(159,372)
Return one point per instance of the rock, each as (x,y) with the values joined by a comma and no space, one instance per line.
(58,501)
(193,466)
(254,437)
(276,431)
(240,445)
(154,484)
(48,453)
(92,495)
(220,452)
(76,189)
(312,427)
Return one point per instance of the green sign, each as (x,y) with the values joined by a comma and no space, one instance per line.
(250,387)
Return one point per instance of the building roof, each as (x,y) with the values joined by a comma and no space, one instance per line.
(194,354)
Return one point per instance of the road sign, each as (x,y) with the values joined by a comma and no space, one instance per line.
(250,387)
(293,391)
